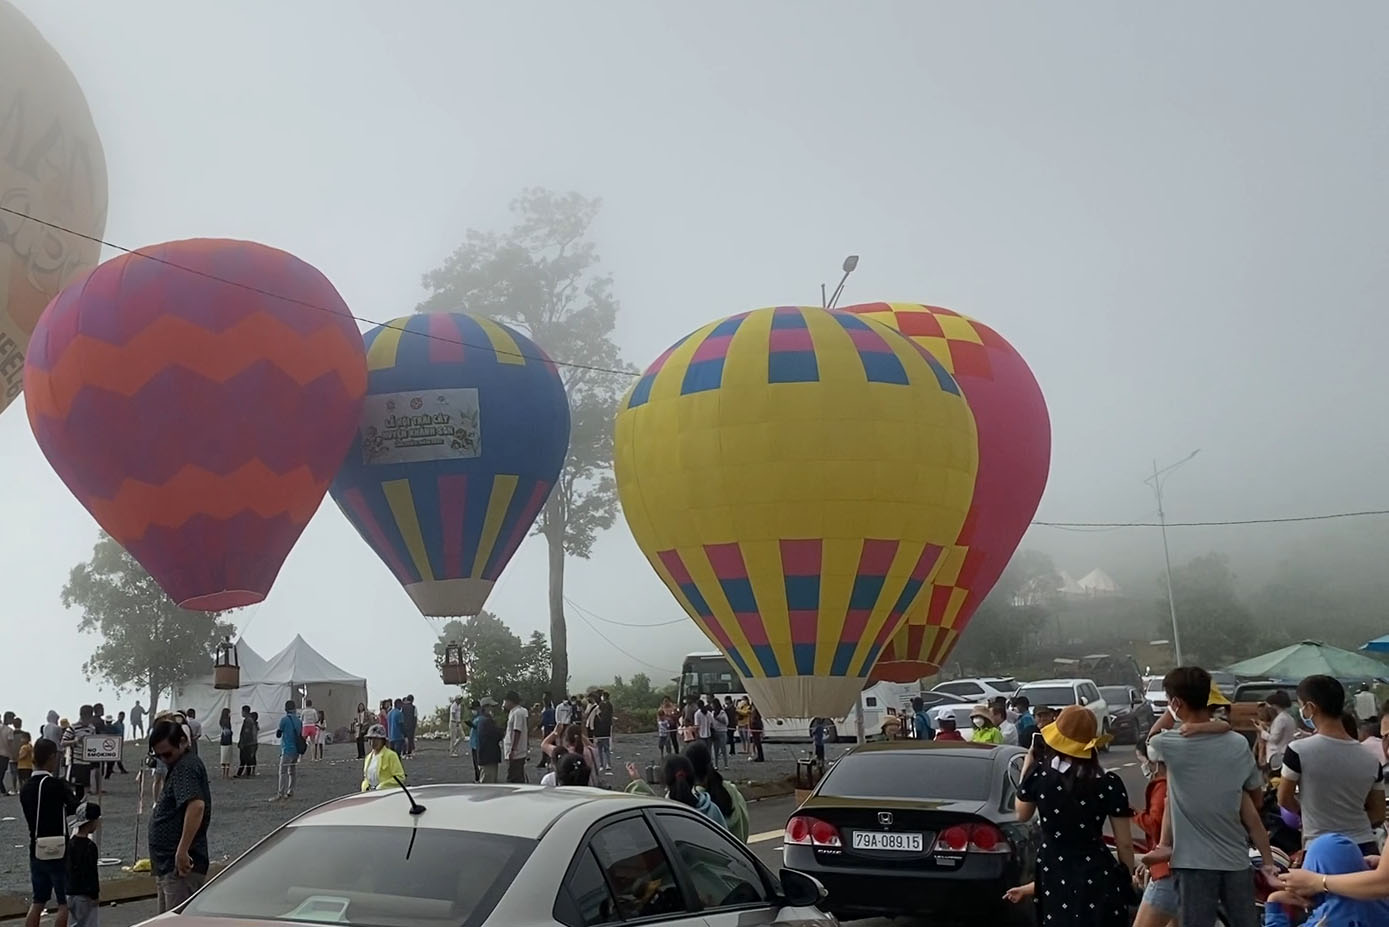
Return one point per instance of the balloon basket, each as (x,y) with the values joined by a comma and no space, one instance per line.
(454,674)
(226,677)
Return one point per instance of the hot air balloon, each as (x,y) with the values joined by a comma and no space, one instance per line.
(51,168)
(1014,456)
(794,476)
(197,397)
(463,434)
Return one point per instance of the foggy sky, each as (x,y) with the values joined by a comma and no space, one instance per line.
(1176,213)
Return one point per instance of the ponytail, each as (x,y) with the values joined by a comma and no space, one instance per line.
(707,775)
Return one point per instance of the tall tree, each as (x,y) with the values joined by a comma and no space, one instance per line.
(1216,627)
(148,642)
(542,275)
(497,659)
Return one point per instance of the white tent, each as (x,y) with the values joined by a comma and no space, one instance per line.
(1098,582)
(296,673)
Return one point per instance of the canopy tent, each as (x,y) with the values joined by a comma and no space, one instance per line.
(1310,658)
(1098,582)
(296,673)
(1378,645)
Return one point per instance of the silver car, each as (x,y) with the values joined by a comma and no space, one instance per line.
(474,855)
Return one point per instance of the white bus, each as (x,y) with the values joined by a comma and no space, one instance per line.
(710,674)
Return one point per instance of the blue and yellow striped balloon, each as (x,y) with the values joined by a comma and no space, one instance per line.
(464,432)
(794,476)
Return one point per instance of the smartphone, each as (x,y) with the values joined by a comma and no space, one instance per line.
(1037,742)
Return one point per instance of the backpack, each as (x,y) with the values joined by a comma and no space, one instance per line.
(300,743)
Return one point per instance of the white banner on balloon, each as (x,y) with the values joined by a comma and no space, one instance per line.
(418,426)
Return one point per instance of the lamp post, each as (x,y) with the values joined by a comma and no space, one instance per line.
(1156,481)
(850,263)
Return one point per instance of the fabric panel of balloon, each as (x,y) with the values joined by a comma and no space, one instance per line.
(795,475)
(51,168)
(1014,457)
(197,398)
(463,435)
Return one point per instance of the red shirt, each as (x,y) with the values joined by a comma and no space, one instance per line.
(949,735)
(1150,819)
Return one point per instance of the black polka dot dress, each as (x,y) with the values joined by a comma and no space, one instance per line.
(1079,882)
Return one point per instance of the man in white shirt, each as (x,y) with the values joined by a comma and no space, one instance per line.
(515,745)
(564,713)
(704,725)
(455,724)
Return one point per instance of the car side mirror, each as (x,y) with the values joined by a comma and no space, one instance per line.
(1084,700)
(801,890)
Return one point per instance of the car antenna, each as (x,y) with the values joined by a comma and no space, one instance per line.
(415,807)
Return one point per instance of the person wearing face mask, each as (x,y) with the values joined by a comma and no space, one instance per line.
(1212,782)
(1159,905)
(1328,778)
(985,731)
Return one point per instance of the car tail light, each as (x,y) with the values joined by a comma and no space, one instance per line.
(972,838)
(955,839)
(803,830)
(985,838)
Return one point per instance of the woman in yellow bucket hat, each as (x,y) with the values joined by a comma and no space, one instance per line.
(1078,881)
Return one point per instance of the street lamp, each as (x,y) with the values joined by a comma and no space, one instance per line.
(1156,481)
(850,263)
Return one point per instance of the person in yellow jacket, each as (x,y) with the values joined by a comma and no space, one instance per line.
(382,765)
(985,731)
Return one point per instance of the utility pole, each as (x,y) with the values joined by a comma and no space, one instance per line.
(1156,482)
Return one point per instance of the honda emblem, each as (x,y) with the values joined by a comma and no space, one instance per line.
(885,818)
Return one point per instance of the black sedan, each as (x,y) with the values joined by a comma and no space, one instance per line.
(1130,714)
(916,828)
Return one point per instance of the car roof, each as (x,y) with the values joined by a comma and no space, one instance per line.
(507,810)
(946,748)
(1054,682)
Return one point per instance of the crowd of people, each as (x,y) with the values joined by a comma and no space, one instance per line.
(721,726)
(1312,782)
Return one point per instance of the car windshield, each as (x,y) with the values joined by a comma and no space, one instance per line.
(1115,695)
(1050,695)
(1224,680)
(377,876)
(920,774)
(1155,685)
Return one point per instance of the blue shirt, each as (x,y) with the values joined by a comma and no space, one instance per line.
(290,730)
(395,720)
(1027,726)
(473,738)
(921,723)
(547,717)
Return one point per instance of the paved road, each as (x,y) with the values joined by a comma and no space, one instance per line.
(767,818)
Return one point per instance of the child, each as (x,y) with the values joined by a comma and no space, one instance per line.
(1159,904)
(947,731)
(84,882)
(1044,716)
(24,763)
(1329,854)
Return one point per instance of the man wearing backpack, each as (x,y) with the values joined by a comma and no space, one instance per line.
(291,735)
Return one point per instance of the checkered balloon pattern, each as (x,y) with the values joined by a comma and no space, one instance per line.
(1014,457)
(796,477)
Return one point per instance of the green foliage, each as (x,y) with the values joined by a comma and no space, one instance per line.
(542,275)
(1216,627)
(148,642)
(639,693)
(497,659)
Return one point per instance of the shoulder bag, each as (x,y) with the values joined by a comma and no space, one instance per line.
(46,848)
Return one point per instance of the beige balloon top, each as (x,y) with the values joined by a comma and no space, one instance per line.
(52,168)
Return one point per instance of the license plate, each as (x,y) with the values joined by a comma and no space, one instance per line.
(877,840)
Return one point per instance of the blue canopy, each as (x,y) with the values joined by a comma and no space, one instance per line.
(1378,645)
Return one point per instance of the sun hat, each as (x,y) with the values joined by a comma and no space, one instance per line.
(1074,732)
(1216,697)
(376,732)
(982,711)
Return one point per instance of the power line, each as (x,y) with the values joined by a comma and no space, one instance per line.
(1063,525)
(308,305)
(621,624)
(628,654)
(1368,513)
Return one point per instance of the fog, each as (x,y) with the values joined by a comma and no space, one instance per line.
(1176,213)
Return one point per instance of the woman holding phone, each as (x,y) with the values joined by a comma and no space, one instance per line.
(1078,881)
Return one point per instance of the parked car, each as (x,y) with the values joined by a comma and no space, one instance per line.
(979,690)
(1227,683)
(1058,693)
(1155,693)
(480,855)
(916,828)
(1130,715)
